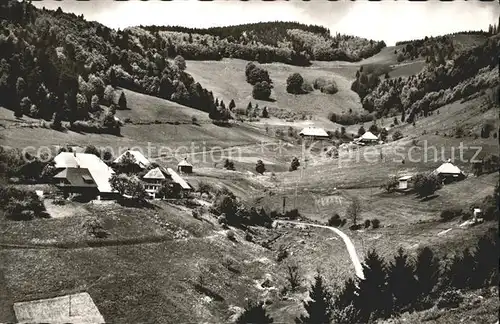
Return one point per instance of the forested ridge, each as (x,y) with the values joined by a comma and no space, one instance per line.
(58,66)
(286,42)
(449,75)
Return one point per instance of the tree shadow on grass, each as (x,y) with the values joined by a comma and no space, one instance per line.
(127,202)
(428,198)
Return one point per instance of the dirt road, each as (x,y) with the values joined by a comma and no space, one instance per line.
(348,243)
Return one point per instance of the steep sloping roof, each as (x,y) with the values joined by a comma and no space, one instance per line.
(178,179)
(101,173)
(155,173)
(184,162)
(448,168)
(66,160)
(56,310)
(139,158)
(77,177)
(368,136)
(313,131)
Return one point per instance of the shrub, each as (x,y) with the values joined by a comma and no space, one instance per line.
(487,129)
(450,299)
(397,135)
(229,165)
(367,223)
(449,214)
(459,131)
(194,120)
(59,202)
(306,87)
(248,237)
(262,90)
(282,253)
(426,185)
(294,165)
(94,227)
(260,167)
(230,235)
(294,83)
(258,74)
(330,88)
(196,214)
(319,83)
(292,214)
(20,204)
(375,223)
(180,62)
(335,221)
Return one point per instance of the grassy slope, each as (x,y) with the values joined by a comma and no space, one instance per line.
(142,108)
(227,80)
(147,108)
(130,283)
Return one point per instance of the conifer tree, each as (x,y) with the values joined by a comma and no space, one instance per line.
(254,313)
(486,261)
(374,299)
(426,271)
(460,269)
(249,109)
(402,282)
(232,105)
(122,101)
(265,113)
(319,309)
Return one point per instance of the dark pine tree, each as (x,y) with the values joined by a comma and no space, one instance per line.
(344,311)
(459,270)
(402,282)
(374,299)
(426,271)
(254,313)
(232,105)
(122,101)
(319,309)
(112,78)
(486,261)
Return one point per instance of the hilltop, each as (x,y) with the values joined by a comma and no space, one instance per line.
(285,42)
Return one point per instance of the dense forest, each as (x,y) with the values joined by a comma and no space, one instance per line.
(447,77)
(58,66)
(286,42)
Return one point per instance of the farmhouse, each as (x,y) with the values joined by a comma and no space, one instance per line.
(179,180)
(76,180)
(314,133)
(185,167)
(448,172)
(368,138)
(153,181)
(140,159)
(99,171)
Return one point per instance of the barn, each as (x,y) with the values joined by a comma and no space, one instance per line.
(314,133)
(448,172)
(185,167)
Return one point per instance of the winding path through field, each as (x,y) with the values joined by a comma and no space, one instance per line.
(348,243)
